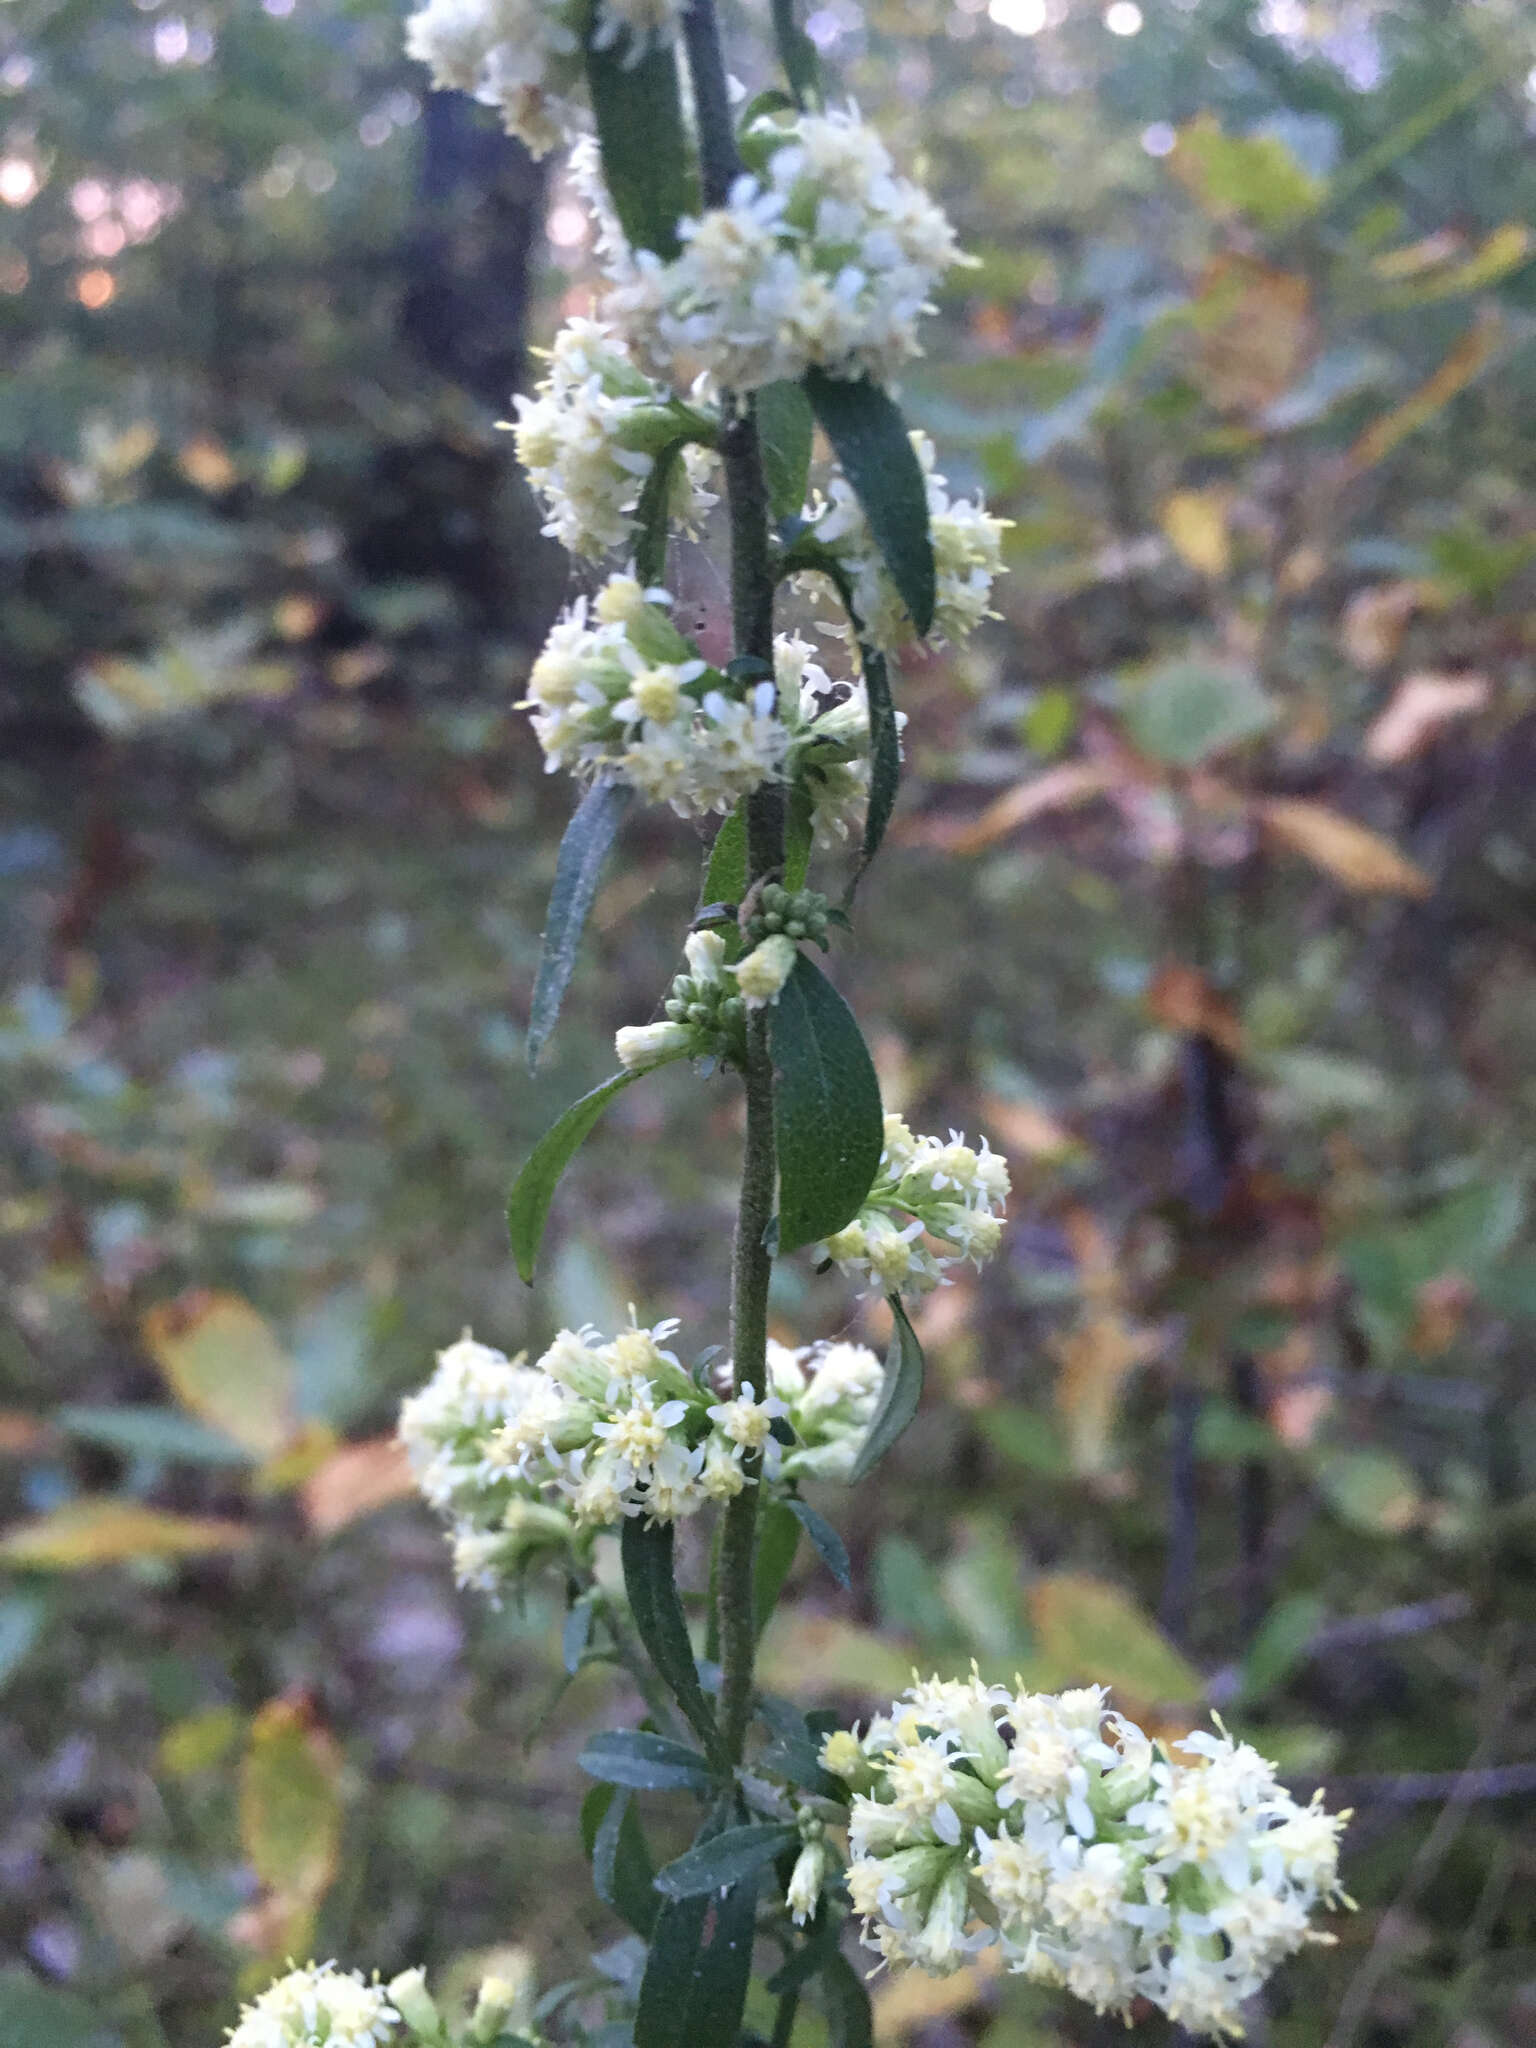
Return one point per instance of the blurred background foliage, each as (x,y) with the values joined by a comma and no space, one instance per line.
(1213,901)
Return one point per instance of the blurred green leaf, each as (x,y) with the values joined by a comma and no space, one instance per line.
(1186,712)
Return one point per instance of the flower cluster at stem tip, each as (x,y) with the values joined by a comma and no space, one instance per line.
(321,2006)
(934,1203)
(1042,1823)
(527,1462)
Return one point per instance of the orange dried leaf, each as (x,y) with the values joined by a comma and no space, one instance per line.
(1058,789)
(1467,360)
(1025,1128)
(1254,332)
(1354,855)
(1182,998)
(353,1481)
(1422,706)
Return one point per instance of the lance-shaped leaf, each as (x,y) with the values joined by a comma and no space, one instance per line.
(724,1859)
(534,1188)
(725,877)
(648,164)
(651,517)
(785,429)
(579,867)
(695,1985)
(644,1762)
(622,1872)
(778,1538)
(829,1546)
(869,439)
(884,752)
(650,1582)
(899,1396)
(797,53)
(827,1112)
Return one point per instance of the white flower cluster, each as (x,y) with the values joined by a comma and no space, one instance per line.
(830,1392)
(926,1188)
(589,437)
(523,57)
(523,1459)
(1039,1821)
(822,257)
(967,557)
(317,2005)
(617,688)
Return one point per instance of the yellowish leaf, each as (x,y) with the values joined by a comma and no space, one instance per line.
(1094,1363)
(200,1743)
(1506,249)
(221,1360)
(1231,175)
(298,1461)
(1467,359)
(1422,707)
(206,463)
(1376,618)
(1359,858)
(1095,1633)
(85,1533)
(290,1803)
(1195,523)
(354,1480)
(1058,789)
(808,1656)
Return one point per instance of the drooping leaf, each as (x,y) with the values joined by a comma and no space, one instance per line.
(884,752)
(579,866)
(1093,1632)
(850,2022)
(651,517)
(785,429)
(778,1538)
(644,1762)
(651,1585)
(82,1534)
(221,1359)
(695,1983)
(534,1188)
(899,1396)
(724,1859)
(622,1871)
(797,53)
(829,1546)
(648,164)
(869,439)
(827,1113)
(290,1804)
(1359,858)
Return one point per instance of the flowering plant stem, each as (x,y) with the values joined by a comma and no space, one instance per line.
(752,591)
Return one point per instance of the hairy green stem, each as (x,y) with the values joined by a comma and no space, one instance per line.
(752,584)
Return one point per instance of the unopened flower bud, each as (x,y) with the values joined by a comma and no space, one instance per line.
(805,1882)
(705,954)
(762,974)
(643,1046)
(415,2004)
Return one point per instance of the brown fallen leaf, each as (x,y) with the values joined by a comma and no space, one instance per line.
(1059,789)
(1354,855)
(1095,1361)
(1421,707)
(1026,1128)
(1375,620)
(354,1480)
(1182,997)
(1254,332)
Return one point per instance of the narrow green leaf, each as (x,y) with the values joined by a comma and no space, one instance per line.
(651,1584)
(778,1538)
(623,1875)
(869,439)
(644,1762)
(651,517)
(151,1432)
(579,866)
(884,753)
(695,1985)
(827,1112)
(830,1547)
(850,2023)
(725,877)
(575,1635)
(899,1396)
(724,1859)
(534,1188)
(794,1754)
(785,429)
(648,164)
(797,53)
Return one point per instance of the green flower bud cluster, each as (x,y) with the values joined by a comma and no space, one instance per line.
(800,914)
